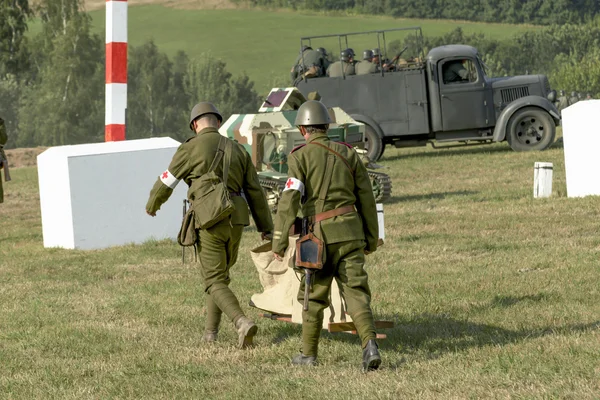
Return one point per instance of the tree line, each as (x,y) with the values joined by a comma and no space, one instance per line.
(537,12)
(569,54)
(52,84)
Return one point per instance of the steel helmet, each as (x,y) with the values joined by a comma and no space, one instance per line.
(345,55)
(376,52)
(322,51)
(204,108)
(367,54)
(312,112)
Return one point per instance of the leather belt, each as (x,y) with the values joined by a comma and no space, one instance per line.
(235,194)
(332,213)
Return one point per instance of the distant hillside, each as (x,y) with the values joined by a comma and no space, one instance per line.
(91,5)
(264,44)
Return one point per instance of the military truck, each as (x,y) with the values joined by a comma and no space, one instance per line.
(270,135)
(416,102)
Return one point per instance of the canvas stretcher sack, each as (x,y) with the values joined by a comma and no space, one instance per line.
(211,201)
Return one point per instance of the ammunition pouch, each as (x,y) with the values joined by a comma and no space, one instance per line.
(309,252)
(309,248)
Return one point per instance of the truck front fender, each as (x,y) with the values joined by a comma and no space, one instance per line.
(527,101)
(369,121)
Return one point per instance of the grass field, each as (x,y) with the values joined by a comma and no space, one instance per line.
(264,44)
(494,295)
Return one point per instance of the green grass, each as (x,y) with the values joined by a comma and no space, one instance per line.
(494,294)
(264,44)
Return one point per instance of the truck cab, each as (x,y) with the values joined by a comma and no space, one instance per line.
(445,96)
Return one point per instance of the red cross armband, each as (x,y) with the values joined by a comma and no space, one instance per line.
(168,179)
(294,184)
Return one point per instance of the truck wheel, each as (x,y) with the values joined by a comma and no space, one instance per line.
(530,128)
(373,144)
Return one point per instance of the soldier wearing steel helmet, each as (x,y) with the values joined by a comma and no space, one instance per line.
(328,182)
(307,59)
(218,245)
(366,66)
(343,67)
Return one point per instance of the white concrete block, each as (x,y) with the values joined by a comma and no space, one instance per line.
(542,179)
(581,138)
(380,221)
(94,195)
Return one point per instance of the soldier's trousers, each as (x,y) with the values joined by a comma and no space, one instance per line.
(345,262)
(218,250)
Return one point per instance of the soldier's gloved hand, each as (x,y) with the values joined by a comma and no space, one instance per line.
(266,236)
(277,257)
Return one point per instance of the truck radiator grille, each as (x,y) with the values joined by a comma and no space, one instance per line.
(509,95)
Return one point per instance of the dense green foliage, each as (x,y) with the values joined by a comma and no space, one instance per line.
(509,11)
(52,83)
(55,95)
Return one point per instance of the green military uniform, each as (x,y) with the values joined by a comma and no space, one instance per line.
(573,99)
(345,237)
(218,245)
(3,140)
(304,61)
(335,69)
(366,67)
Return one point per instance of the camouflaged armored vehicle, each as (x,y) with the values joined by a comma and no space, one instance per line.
(270,136)
(424,101)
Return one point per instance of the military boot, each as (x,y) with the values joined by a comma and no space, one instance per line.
(246,330)
(371,357)
(210,336)
(301,359)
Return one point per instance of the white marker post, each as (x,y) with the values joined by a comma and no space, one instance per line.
(542,179)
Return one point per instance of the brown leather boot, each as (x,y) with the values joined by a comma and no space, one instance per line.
(246,330)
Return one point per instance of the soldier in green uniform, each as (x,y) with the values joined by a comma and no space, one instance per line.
(573,99)
(563,102)
(218,245)
(343,67)
(326,61)
(340,188)
(376,61)
(366,66)
(306,59)
(3,140)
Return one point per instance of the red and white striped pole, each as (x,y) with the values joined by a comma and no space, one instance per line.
(116,70)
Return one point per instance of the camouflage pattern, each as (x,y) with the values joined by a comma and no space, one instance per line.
(271,134)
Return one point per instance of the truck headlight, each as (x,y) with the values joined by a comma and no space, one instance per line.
(551,96)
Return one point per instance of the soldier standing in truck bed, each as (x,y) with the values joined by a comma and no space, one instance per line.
(307,59)
(366,66)
(343,67)
(330,184)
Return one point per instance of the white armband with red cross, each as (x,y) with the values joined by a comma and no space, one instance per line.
(168,179)
(294,184)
